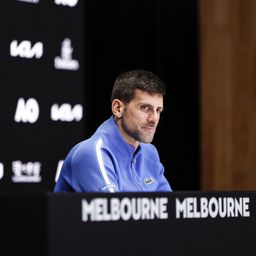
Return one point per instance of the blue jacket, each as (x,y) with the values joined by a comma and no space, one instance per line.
(106,163)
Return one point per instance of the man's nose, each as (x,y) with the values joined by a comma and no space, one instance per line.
(153,116)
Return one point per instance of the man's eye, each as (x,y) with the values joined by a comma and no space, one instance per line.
(145,108)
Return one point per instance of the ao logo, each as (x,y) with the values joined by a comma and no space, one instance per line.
(27,111)
(70,3)
(66,113)
(25,49)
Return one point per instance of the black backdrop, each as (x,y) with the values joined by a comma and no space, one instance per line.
(107,37)
(161,36)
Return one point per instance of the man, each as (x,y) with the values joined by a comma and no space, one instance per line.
(119,156)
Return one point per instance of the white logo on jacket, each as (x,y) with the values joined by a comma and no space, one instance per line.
(149,180)
(107,186)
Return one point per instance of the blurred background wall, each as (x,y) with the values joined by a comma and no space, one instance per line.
(228,94)
(42,90)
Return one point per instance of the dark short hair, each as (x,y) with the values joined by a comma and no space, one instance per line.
(127,82)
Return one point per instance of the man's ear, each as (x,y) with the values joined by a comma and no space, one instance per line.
(117,108)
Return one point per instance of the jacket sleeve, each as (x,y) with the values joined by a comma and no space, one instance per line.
(92,169)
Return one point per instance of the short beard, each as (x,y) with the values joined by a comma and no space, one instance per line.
(137,135)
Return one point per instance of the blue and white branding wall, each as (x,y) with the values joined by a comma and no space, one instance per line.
(41,106)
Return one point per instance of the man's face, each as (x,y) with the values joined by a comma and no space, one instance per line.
(140,117)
